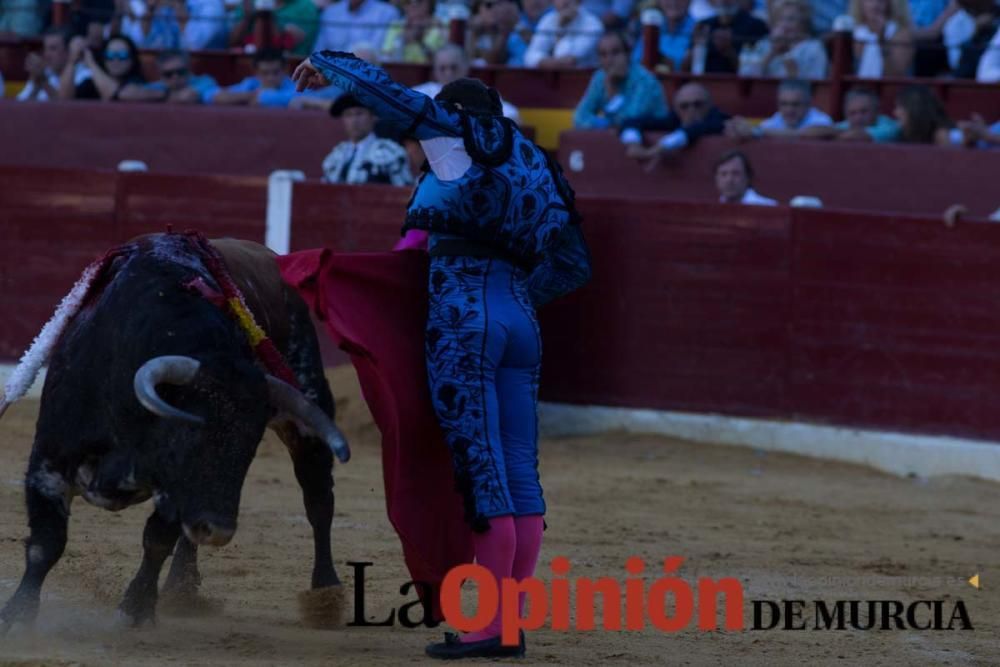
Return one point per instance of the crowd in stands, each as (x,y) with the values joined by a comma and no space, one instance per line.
(96,57)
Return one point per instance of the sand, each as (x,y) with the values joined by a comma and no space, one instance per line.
(787,527)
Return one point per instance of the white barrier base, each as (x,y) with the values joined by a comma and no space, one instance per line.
(896,453)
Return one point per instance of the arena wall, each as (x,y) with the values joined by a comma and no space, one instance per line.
(858,320)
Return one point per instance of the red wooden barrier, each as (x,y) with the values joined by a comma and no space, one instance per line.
(858,319)
(233,140)
(906,179)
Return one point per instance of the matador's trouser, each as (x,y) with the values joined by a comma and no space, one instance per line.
(483,350)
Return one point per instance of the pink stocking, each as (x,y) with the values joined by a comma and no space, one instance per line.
(529,543)
(495,551)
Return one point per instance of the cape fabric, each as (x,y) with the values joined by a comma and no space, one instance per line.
(374,306)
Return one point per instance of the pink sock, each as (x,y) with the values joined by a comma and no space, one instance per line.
(495,551)
(529,543)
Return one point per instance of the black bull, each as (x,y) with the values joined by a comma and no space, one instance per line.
(154,391)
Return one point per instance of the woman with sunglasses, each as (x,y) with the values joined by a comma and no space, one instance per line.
(504,239)
(115,73)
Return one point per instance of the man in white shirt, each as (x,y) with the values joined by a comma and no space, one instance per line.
(44,69)
(350,22)
(795,113)
(733,177)
(451,64)
(566,37)
(364,157)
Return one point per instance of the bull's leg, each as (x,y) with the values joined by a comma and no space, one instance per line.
(183,579)
(48,517)
(313,463)
(158,539)
(311,458)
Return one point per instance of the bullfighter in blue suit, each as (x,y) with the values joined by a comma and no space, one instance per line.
(504,238)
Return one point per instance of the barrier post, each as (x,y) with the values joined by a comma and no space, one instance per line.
(842,65)
(278,226)
(651,20)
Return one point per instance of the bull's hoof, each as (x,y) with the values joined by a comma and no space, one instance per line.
(186,601)
(322,608)
(137,611)
(17,612)
(126,619)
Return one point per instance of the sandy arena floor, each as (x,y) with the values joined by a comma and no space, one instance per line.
(788,527)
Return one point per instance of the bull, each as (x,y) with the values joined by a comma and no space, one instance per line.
(155,391)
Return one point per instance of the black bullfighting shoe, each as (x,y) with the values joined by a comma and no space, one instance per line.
(455,649)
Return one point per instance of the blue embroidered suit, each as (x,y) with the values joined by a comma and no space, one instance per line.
(482,340)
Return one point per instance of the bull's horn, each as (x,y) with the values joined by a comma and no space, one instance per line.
(169,370)
(286,397)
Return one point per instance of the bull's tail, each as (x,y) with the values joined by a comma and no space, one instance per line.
(41,348)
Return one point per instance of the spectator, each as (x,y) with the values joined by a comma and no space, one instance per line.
(975,132)
(44,69)
(173,24)
(450,64)
(270,85)
(862,121)
(114,73)
(675,35)
(176,81)
(364,158)
(922,119)
(883,39)
(612,13)
(988,70)
(722,37)
(620,91)
(790,52)
(20,18)
(795,115)
(733,179)
(495,37)
(566,37)
(416,37)
(349,22)
(297,23)
(692,117)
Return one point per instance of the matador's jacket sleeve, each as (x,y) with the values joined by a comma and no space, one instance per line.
(565,266)
(414,113)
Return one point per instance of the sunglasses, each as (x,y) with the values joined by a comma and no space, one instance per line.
(170,73)
(696,104)
(117,55)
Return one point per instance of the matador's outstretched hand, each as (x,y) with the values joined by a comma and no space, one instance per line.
(307,77)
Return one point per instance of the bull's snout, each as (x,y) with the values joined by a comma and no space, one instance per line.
(210,530)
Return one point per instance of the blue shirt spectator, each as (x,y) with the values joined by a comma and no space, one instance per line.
(675,34)
(884,130)
(270,85)
(620,91)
